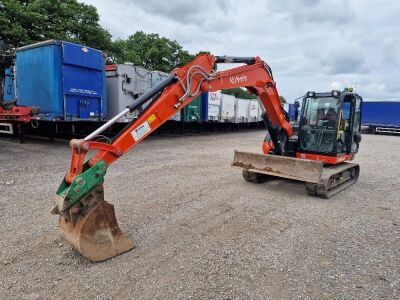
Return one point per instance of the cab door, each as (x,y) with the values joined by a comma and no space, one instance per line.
(355,125)
(349,126)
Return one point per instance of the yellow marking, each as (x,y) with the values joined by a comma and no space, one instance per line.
(339,129)
(151,118)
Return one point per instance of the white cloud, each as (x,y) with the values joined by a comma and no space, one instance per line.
(310,44)
(336,85)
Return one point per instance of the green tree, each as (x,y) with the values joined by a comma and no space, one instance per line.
(283,99)
(151,52)
(24,22)
(239,93)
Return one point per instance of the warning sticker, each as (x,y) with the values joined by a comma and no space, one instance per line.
(140,131)
(151,118)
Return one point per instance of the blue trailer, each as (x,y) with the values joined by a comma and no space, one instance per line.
(62,80)
(381,117)
(204,107)
(293,115)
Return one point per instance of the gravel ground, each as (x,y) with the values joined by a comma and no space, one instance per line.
(201,231)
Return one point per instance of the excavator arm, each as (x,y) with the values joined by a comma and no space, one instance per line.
(88,222)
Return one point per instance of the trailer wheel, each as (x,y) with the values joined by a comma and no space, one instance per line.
(254,177)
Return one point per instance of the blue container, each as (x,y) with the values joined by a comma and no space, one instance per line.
(204,107)
(9,85)
(385,114)
(63,80)
(291,112)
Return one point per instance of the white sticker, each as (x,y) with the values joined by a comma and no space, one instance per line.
(140,131)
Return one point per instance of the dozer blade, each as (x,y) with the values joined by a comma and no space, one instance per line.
(279,166)
(92,228)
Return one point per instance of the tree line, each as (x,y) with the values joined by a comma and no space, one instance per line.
(23,22)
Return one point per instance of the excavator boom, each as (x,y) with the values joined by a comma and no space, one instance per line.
(87,221)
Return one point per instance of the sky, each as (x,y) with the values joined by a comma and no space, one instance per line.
(316,45)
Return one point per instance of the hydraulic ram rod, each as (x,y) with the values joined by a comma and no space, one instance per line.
(139,101)
(106,125)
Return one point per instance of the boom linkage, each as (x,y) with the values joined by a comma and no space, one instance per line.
(177,91)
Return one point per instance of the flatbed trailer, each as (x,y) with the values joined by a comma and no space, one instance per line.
(381,117)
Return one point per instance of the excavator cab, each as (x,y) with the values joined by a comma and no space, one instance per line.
(330,126)
(328,135)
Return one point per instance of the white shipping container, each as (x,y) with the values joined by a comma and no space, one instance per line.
(214,98)
(214,112)
(228,108)
(260,110)
(176,117)
(125,83)
(157,77)
(214,106)
(241,111)
(253,111)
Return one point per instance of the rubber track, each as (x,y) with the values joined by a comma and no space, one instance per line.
(254,177)
(334,180)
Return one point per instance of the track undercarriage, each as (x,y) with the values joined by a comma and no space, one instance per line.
(321,180)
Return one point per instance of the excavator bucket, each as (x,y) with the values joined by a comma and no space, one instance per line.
(91,227)
(279,166)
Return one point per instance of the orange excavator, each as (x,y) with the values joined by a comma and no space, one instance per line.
(315,151)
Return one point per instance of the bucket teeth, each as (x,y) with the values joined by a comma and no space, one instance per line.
(92,228)
(58,208)
(55,210)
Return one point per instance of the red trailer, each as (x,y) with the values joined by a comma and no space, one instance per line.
(11,115)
